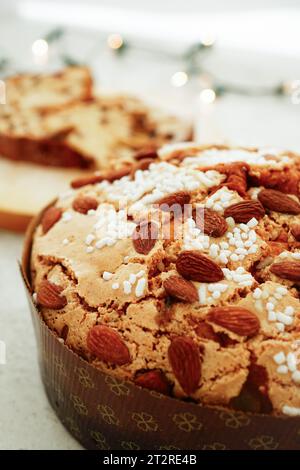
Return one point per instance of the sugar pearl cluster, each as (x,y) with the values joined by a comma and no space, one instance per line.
(288,254)
(216,156)
(209,293)
(221,199)
(280,318)
(110,227)
(241,241)
(137,281)
(160,179)
(287,363)
(240,276)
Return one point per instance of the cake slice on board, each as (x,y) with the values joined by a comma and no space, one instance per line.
(53,129)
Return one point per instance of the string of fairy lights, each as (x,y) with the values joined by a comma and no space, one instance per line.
(211,86)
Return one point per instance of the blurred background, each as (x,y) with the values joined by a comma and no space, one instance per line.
(246,54)
(231,66)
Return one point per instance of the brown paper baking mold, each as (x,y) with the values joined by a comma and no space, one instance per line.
(103,412)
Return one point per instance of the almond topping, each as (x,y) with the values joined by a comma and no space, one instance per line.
(279,202)
(197,267)
(181,289)
(287,270)
(244,211)
(49,295)
(236,319)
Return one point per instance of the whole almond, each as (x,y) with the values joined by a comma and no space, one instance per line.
(142,165)
(212,223)
(195,266)
(145,153)
(49,295)
(173,201)
(184,357)
(98,178)
(295,230)
(50,217)
(236,319)
(277,201)
(83,204)
(86,180)
(154,380)
(181,289)
(287,270)
(144,237)
(244,211)
(107,345)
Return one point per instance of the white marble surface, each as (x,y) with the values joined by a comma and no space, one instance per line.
(26,419)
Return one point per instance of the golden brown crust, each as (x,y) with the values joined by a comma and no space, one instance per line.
(206,346)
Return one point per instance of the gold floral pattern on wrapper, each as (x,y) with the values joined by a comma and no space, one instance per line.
(108,414)
(104,412)
(84,377)
(187,422)
(118,387)
(214,446)
(145,422)
(100,440)
(129,445)
(235,420)
(263,443)
(59,366)
(79,405)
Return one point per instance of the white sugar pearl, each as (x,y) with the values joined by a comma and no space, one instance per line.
(115,286)
(202,294)
(252,223)
(213,251)
(291,362)
(65,241)
(89,249)
(107,275)
(290,410)
(66,217)
(296,376)
(265,294)
(283,369)
(230,221)
(140,287)
(216,294)
(140,273)
(132,278)
(281,290)
(257,293)
(289,310)
(223,258)
(280,327)
(126,287)
(244,227)
(279,358)
(285,319)
(272,316)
